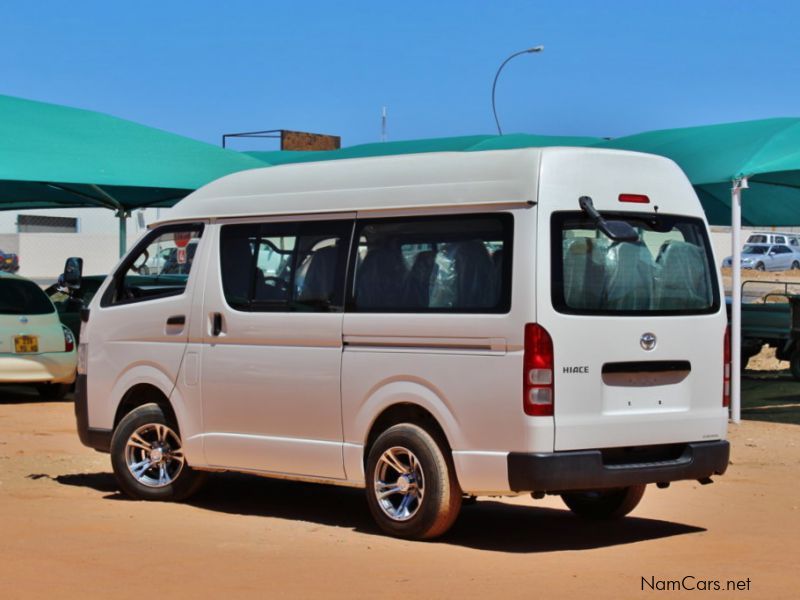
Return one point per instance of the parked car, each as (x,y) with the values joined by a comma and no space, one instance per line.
(767,257)
(771,323)
(69,302)
(35,348)
(773,237)
(465,324)
(9,262)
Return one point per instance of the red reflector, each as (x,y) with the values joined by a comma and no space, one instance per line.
(635,198)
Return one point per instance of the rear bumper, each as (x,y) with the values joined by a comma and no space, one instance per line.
(585,470)
(99,439)
(48,367)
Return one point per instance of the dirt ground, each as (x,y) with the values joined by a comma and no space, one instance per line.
(68,533)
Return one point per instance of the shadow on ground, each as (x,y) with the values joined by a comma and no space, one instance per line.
(486,525)
(772,396)
(24,394)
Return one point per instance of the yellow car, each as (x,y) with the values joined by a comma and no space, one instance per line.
(35,348)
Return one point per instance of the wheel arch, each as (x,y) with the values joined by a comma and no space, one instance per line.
(405,412)
(141,394)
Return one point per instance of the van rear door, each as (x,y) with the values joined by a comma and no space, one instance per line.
(638,327)
(637,332)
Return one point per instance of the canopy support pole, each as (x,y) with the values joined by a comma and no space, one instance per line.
(123,215)
(736,298)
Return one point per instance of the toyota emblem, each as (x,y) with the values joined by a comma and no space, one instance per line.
(648,341)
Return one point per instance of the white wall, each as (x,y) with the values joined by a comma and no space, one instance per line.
(42,255)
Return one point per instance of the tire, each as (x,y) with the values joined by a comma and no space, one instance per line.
(53,391)
(604,504)
(760,267)
(794,364)
(148,426)
(417,458)
(795,265)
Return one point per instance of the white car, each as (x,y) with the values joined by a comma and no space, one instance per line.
(35,348)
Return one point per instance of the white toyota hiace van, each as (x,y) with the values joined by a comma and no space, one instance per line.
(428,327)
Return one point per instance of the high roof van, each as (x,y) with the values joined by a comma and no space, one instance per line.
(428,327)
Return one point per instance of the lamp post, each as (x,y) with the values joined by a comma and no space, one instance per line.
(494,85)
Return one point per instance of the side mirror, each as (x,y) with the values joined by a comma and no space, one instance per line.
(73,271)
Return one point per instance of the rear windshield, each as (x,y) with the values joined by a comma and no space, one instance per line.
(669,270)
(21,297)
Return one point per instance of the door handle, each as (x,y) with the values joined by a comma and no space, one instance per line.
(216,324)
(177,320)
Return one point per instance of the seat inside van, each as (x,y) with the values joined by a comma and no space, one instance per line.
(629,275)
(680,282)
(320,278)
(380,277)
(584,272)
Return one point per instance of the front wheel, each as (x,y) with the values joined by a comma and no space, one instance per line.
(760,267)
(604,504)
(147,457)
(412,490)
(795,265)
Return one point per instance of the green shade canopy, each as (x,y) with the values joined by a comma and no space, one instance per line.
(467,143)
(54,156)
(766,152)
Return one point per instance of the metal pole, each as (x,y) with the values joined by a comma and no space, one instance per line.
(123,231)
(497,75)
(736,299)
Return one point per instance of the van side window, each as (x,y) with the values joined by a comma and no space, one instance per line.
(157,268)
(433,264)
(284,266)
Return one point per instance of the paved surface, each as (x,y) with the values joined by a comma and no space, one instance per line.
(68,533)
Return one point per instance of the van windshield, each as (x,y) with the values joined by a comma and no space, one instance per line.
(669,270)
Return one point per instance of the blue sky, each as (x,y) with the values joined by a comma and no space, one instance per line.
(205,68)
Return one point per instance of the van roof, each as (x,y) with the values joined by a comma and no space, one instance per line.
(383,183)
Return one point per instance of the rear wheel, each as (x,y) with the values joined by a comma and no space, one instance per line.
(147,457)
(53,391)
(604,504)
(412,490)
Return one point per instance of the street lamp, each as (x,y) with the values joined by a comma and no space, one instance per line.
(494,85)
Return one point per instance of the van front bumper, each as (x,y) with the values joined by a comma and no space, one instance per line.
(585,469)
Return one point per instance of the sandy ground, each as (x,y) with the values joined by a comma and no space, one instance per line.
(68,533)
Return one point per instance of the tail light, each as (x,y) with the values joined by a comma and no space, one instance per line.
(537,386)
(726,368)
(69,339)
